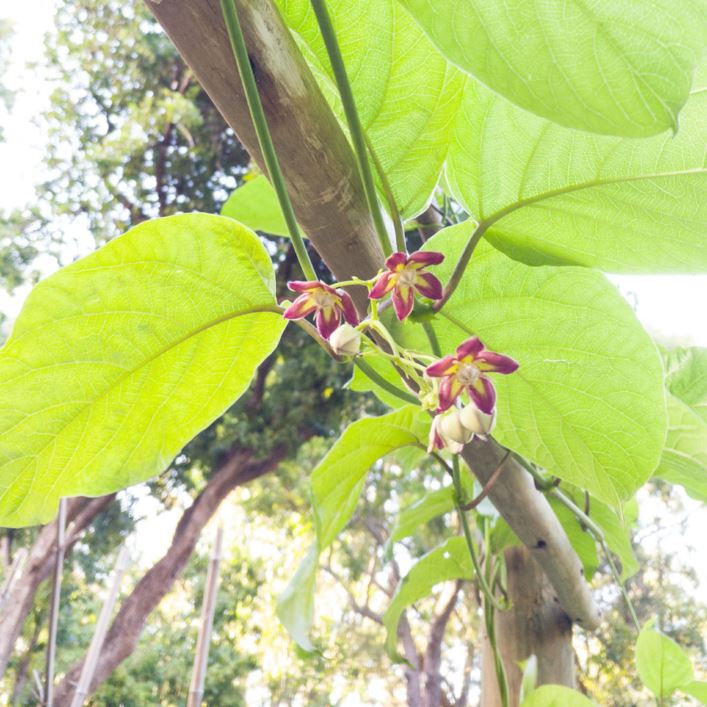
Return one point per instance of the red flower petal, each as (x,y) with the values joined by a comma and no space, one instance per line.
(483,394)
(428,285)
(449,390)
(395,260)
(347,307)
(495,362)
(403,301)
(327,321)
(304,285)
(384,284)
(471,347)
(444,367)
(422,258)
(300,308)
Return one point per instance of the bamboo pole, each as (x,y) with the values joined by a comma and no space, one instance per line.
(55,603)
(208,607)
(94,650)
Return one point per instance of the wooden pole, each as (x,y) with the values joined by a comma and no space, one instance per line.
(94,650)
(54,603)
(208,607)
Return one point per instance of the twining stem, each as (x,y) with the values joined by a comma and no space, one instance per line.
(383,383)
(389,197)
(352,119)
(240,53)
(460,267)
(458,501)
(490,622)
(594,529)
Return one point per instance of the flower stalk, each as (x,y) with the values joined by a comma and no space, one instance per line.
(240,53)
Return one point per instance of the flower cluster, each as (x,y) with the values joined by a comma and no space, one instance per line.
(405,275)
(466,372)
(457,387)
(329,305)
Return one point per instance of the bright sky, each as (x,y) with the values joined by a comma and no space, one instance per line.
(671,307)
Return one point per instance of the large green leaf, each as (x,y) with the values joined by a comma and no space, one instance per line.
(686,377)
(448,561)
(684,459)
(617,67)
(338,479)
(587,402)
(662,665)
(255,204)
(295,605)
(336,484)
(406,93)
(556,696)
(121,358)
(551,195)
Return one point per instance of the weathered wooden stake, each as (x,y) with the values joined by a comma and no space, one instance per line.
(94,650)
(54,603)
(208,607)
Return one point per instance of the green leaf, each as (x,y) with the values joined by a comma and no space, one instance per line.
(556,696)
(336,485)
(448,561)
(502,536)
(582,542)
(684,459)
(587,402)
(662,665)
(686,377)
(618,68)
(696,689)
(361,383)
(119,359)
(545,194)
(431,505)
(407,94)
(617,532)
(255,204)
(338,479)
(295,605)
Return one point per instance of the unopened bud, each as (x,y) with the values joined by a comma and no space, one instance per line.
(345,341)
(476,421)
(452,429)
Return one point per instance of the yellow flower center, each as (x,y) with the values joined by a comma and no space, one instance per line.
(407,277)
(467,374)
(324,299)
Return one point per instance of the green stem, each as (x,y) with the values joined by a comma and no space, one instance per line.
(596,531)
(240,53)
(460,267)
(458,502)
(352,119)
(432,338)
(389,197)
(383,383)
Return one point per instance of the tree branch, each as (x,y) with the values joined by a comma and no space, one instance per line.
(328,198)
(237,469)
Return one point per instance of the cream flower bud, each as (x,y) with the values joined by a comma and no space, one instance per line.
(345,341)
(476,421)
(452,432)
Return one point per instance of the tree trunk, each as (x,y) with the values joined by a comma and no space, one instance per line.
(124,633)
(38,566)
(321,176)
(535,625)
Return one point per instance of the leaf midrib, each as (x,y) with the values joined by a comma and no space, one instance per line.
(270,308)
